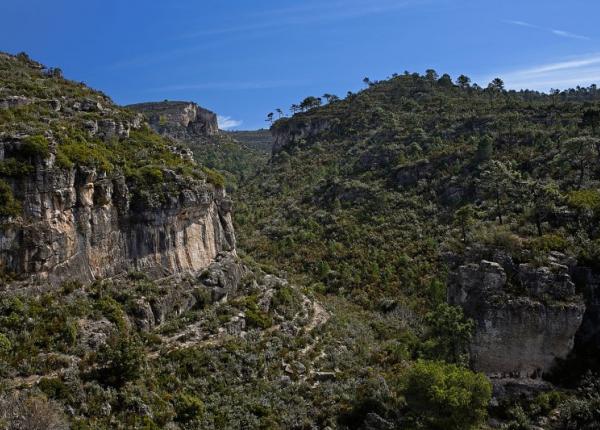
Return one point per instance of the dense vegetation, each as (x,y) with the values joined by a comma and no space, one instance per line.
(236,160)
(374,192)
(51,115)
(362,212)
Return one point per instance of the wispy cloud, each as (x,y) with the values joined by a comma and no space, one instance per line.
(563,33)
(308,14)
(226,122)
(565,73)
(230,86)
(520,23)
(556,32)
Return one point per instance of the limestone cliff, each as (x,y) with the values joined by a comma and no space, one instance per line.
(179,120)
(524,321)
(80,224)
(89,191)
(293,130)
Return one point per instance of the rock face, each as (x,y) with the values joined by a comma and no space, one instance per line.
(522,326)
(79,224)
(178,120)
(288,132)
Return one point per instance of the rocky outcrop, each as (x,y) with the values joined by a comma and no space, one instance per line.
(291,131)
(179,120)
(82,224)
(522,326)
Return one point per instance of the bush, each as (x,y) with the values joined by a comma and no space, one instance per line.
(123,360)
(14,168)
(35,146)
(584,200)
(448,334)
(446,396)
(5,345)
(188,408)
(549,242)
(9,206)
(75,151)
(214,177)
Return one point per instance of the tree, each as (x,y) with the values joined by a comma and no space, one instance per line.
(583,153)
(495,88)
(542,198)
(366,81)
(310,103)
(270,116)
(279,112)
(294,109)
(591,119)
(498,181)
(485,148)
(445,80)
(448,335)
(123,360)
(464,218)
(463,82)
(446,396)
(431,75)
(330,98)
(497,85)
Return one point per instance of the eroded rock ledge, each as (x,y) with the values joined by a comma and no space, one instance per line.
(526,317)
(178,120)
(79,224)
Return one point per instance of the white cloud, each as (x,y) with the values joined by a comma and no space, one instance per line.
(566,73)
(560,33)
(569,35)
(520,23)
(226,122)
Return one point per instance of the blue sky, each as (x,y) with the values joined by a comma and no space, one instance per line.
(244,58)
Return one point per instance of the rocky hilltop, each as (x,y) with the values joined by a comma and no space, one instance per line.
(179,120)
(89,191)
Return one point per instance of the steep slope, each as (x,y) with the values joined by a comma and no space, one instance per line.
(405,194)
(196,128)
(259,140)
(95,193)
(123,302)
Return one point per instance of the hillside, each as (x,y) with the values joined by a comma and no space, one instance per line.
(259,140)
(123,300)
(421,255)
(417,191)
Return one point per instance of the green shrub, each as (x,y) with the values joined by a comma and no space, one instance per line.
(188,408)
(9,206)
(5,345)
(15,168)
(35,146)
(151,175)
(122,359)
(446,396)
(81,152)
(549,242)
(258,319)
(584,199)
(448,334)
(55,389)
(214,177)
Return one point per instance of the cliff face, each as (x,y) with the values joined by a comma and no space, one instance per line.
(94,192)
(80,224)
(522,328)
(290,131)
(179,120)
